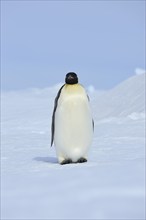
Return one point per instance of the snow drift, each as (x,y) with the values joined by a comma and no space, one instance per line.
(126,99)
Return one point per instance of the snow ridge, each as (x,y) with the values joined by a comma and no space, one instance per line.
(124,100)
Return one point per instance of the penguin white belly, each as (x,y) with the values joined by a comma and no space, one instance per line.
(73,128)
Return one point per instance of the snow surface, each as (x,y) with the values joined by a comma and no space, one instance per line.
(110,186)
(140,71)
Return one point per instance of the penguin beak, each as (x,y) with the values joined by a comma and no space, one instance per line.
(70,77)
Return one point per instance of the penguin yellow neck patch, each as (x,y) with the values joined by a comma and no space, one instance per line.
(76,88)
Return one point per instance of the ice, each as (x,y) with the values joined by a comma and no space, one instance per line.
(111,185)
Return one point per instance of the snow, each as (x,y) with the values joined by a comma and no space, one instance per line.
(123,100)
(90,89)
(140,71)
(110,186)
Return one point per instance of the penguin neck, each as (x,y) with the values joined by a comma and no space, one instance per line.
(72,86)
(67,84)
(75,88)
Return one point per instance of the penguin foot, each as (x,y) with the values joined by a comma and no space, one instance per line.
(66,161)
(82,160)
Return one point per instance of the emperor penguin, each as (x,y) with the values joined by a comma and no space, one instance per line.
(72,123)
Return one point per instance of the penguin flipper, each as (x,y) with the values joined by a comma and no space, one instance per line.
(53,115)
(93,124)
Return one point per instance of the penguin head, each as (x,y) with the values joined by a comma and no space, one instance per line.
(71,78)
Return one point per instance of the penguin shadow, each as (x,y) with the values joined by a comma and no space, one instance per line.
(46,159)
